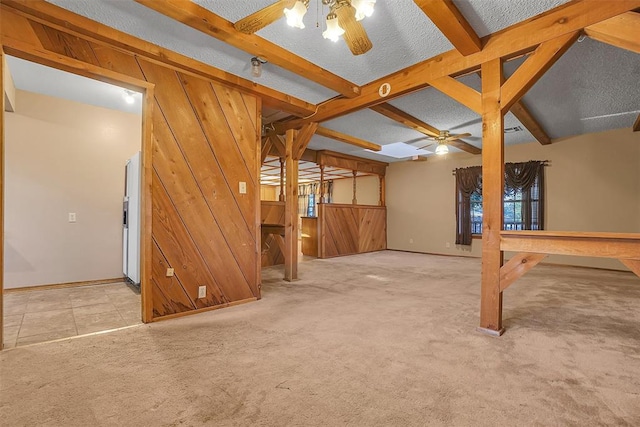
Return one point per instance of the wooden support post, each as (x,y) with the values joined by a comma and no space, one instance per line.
(291,210)
(355,199)
(321,184)
(492,189)
(382,191)
(2,59)
(281,197)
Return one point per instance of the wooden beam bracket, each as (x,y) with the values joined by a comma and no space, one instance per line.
(517,266)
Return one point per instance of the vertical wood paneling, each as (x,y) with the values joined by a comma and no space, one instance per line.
(205,141)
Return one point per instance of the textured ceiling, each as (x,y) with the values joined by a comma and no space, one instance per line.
(593,87)
(144,23)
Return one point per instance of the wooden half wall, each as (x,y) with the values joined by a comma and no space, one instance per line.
(272,214)
(205,142)
(351,229)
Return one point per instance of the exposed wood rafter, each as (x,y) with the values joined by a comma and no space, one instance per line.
(414,123)
(68,22)
(462,93)
(525,117)
(347,139)
(302,139)
(620,31)
(406,119)
(265,16)
(446,16)
(267,144)
(506,44)
(534,67)
(202,19)
(636,125)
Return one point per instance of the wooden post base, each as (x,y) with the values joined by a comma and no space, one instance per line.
(490,331)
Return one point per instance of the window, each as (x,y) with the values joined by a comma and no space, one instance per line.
(523,199)
(520,208)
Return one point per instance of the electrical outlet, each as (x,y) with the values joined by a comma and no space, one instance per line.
(202,292)
(410,240)
(243,187)
(170,272)
(72,217)
(448,244)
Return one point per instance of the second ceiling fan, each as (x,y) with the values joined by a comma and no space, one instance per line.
(342,20)
(442,140)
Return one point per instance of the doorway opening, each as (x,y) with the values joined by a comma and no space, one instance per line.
(68,269)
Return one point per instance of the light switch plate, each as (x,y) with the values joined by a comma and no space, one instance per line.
(72,217)
(243,187)
(202,292)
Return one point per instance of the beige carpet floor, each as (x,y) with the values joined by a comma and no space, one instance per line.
(382,339)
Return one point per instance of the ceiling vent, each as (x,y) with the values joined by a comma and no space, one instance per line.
(513,129)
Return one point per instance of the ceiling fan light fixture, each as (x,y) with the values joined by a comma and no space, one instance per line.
(333,31)
(442,149)
(364,8)
(296,14)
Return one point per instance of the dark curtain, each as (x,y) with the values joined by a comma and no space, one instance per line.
(523,176)
(517,176)
(468,180)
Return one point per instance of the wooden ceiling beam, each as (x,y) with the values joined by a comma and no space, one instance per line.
(506,44)
(266,147)
(462,93)
(277,143)
(263,17)
(303,138)
(202,19)
(636,125)
(538,62)
(406,119)
(416,124)
(620,31)
(61,19)
(525,117)
(446,16)
(347,139)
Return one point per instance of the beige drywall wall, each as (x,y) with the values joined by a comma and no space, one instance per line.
(592,184)
(367,190)
(63,157)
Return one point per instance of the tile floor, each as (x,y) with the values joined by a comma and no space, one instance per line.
(45,315)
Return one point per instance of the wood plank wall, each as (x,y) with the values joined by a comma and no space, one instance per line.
(351,229)
(272,246)
(205,141)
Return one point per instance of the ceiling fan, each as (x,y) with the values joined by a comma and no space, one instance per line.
(442,139)
(342,20)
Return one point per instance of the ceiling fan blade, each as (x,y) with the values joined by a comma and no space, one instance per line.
(458,136)
(428,145)
(354,34)
(266,16)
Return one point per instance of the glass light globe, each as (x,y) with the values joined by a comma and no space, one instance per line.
(333,31)
(442,149)
(295,15)
(364,8)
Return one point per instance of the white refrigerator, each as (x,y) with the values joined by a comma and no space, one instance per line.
(131,220)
